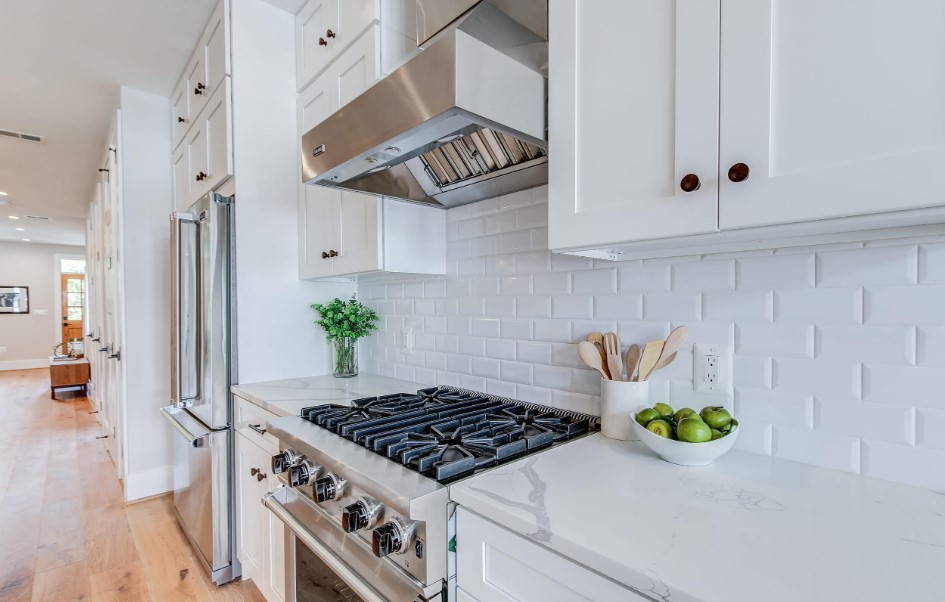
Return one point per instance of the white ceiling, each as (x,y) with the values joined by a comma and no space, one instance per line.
(61,63)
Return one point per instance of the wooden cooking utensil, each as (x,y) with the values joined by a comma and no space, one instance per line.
(674,341)
(597,339)
(651,355)
(633,358)
(591,356)
(614,363)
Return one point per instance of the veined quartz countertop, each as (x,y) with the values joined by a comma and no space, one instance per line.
(288,397)
(745,529)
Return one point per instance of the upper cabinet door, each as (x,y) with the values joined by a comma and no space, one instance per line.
(835,107)
(216,47)
(218,124)
(180,112)
(319,231)
(356,69)
(359,250)
(197,82)
(633,120)
(313,50)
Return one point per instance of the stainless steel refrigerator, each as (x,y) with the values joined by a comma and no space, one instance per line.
(202,369)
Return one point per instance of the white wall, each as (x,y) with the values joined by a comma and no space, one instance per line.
(839,350)
(29,338)
(147,198)
(276,335)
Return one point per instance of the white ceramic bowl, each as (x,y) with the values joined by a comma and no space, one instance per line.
(683,453)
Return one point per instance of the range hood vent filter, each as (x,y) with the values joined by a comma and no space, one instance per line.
(481,152)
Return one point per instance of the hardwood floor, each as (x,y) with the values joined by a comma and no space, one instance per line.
(65,533)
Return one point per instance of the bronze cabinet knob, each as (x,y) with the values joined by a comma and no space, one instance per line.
(325,255)
(330,33)
(322,42)
(738,172)
(690,183)
(332,253)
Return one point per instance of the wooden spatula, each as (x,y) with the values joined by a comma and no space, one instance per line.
(633,358)
(590,356)
(598,340)
(674,341)
(651,355)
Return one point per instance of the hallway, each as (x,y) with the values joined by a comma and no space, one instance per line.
(65,533)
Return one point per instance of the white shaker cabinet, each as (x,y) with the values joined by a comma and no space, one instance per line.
(494,564)
(835,106)
(324,28)
(805,122)
(633,110)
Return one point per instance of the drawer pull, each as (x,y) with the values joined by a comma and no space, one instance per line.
(260,475)
(690,183)
(738,172)
(258,428)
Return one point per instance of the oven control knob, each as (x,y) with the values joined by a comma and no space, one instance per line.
(284,460)
(362,514)
(302,473)
(392,537)
(329,487)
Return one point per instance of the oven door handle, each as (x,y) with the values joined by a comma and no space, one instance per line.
(355,581)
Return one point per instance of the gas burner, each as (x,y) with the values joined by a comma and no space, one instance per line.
(448,433)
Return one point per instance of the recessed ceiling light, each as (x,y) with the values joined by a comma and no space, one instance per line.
(13,217)
(20,229)
(3,194)
(25,240)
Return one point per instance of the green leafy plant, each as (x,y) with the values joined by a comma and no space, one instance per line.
(346,319)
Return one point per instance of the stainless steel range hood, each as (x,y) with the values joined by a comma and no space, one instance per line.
(463,121)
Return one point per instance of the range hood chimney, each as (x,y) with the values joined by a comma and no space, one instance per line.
(464,120)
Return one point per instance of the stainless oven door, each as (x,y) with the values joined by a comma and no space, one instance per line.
(319,555)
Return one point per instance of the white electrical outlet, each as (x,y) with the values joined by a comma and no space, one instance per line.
(406,341)
(711,368)
(42,312)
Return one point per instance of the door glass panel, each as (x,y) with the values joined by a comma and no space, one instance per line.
(75,299)
(75,313)
(75,285)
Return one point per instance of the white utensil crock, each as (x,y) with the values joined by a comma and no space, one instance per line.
(619,399)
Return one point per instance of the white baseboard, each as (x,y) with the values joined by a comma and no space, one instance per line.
(24,364)
(150,482)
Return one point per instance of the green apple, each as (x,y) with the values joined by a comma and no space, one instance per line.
(644,417)
(716,416)
(717,434)
(685,413)
(665,410)
(693,430)
(661,428)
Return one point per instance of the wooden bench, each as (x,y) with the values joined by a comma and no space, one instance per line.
(68,373)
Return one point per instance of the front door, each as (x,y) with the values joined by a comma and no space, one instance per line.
(73,307)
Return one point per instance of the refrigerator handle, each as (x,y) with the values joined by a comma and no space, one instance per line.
(178,219)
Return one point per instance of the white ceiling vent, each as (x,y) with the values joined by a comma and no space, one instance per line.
(35,217)
(22,136)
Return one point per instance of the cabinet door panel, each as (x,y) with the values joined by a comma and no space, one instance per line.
(216,47)
(181,178)
(835,105)
(180,112)
(630,120)
(315,104)
(311,28)
(217,123)
(251,529)
(357,69)
(197,161)
(276,533)
(196,77)
(320,226)
(358,250)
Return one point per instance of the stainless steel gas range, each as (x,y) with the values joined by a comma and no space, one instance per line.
(366,486)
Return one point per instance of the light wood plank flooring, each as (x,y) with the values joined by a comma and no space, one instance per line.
(65,533)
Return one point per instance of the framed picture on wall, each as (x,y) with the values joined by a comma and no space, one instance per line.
(14,299)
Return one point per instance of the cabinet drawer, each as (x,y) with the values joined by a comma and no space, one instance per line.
(248,413)
(494,563)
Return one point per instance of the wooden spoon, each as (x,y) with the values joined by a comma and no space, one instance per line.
(674,341)
(633,358)
(651,355)
(614,363)
(591,356)
(598,340)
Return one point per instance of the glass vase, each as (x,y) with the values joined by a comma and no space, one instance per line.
(346,357)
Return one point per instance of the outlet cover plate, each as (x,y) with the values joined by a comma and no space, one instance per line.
(720,368)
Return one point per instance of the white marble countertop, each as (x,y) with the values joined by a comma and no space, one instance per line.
(748,528)
(288,397)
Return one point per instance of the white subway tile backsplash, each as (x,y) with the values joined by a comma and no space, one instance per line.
(839,349)
(905,305)
(701,276)
(781,340)
(865,419)
(930,428)
(775,272)
(669,306)
(821,449)
(819,306)
(868,267)
(881,344)
(921,466)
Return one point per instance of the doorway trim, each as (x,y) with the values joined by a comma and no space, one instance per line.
(57,288)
